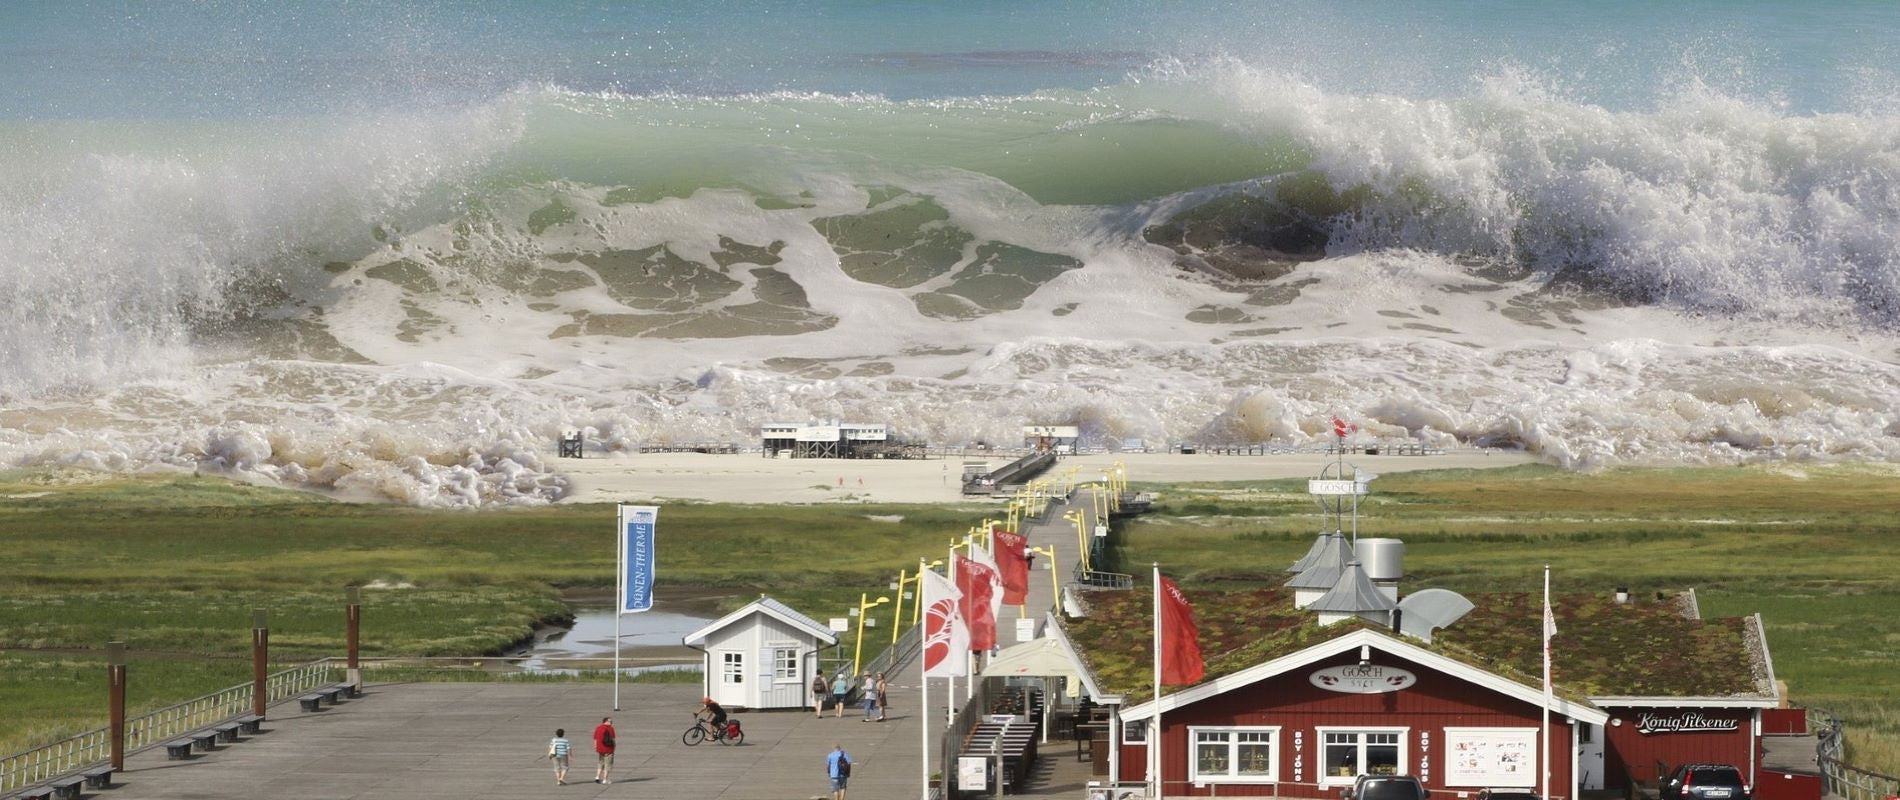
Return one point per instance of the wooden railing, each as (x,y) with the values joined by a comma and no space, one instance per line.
(94,747)
(1838,777)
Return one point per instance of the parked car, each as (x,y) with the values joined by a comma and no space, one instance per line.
(1507,794)
(1385,787)
(1706,782)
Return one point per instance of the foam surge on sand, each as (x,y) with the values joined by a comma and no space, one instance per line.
(412,304)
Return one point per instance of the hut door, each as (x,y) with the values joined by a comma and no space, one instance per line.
(729,686)
(1589,756)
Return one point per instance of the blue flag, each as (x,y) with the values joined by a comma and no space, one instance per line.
(636,557)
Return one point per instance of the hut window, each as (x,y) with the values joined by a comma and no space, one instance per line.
(1234,755)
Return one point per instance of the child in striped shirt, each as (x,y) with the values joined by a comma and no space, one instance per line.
(557,753)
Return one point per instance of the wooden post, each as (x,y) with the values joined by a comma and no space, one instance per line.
(260,659)
(115,700)
(353,617)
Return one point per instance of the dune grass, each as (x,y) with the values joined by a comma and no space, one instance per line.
(1811,549)
(174,565)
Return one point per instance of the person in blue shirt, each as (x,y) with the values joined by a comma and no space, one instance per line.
(838,767)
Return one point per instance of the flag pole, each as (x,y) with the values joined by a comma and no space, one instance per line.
(1549,622)
(923,696)
(620,594)
(950,681)
(1154,732)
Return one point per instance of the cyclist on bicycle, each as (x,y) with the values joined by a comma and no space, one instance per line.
(715,714)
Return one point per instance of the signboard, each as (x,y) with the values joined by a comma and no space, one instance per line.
(973,773)
(1052,431)
(1490,757)
(1684,722)
(1329,488)
(1362,679)
(636,557)
(1025,629)
(840,624)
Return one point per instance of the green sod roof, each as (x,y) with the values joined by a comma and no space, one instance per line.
(1602,648)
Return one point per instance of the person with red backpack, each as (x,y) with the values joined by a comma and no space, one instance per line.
(604,747)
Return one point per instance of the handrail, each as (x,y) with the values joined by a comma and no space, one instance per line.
(1838,777)
(152,728)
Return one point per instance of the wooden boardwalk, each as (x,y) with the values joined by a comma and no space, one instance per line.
(489,740)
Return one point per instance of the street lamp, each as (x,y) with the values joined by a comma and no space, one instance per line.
(863,606)
(1081,535)
(1055,584)
(917,599)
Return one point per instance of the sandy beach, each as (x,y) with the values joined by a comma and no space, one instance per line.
(750,478)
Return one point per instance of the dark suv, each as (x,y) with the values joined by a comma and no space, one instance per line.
(1385,787)
(1706,782)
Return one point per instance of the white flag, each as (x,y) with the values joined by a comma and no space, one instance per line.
(946,637)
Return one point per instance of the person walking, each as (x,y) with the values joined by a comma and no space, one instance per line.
(604,747)
(838,768)
(840,688)
(819,691)
(557,753)
(870,689)
(883,695)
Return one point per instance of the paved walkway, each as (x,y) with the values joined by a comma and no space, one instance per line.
(461,740)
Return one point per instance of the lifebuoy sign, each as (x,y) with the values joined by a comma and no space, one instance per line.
(1685,722)
(1362,679)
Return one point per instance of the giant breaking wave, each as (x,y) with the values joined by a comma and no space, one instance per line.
(412,305)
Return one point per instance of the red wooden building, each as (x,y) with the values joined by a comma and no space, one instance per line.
(1291,707)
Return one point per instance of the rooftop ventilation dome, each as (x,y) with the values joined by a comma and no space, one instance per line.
(1312,553)
(1326,567)
(1353,594)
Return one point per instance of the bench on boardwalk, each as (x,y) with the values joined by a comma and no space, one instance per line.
(67,788)
(350,690)
(98,777)
(228,732)
(35,793)
(178,750)
(310,702)
(250,724)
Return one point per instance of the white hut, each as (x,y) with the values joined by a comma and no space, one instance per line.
(761,656)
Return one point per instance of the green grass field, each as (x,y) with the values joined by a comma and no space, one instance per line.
(173,566)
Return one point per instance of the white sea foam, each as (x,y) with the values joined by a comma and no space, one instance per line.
(1738,274)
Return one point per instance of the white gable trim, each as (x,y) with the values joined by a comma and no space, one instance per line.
(1378,641)
(698,637)
(1053,625)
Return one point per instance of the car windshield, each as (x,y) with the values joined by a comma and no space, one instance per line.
(1719,776)
(1389,790)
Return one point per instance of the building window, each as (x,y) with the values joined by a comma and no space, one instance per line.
(1347,753)
(785,665)
(733,672)
(1135,732)
(1234,755)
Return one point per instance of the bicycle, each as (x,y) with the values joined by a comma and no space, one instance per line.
(729,733)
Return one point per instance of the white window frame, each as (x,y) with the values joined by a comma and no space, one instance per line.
(786,654)
(1135,732)
(732,668)
(1233,758)
(1319,752)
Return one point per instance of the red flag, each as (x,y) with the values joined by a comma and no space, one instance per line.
(1181,662)
(945,637)
(1339,427)
(975,580)
(1013,562)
